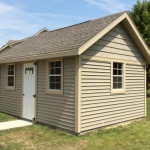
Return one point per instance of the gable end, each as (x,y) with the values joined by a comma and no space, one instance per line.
(116,44)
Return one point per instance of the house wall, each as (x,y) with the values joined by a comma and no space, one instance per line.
(54,109)
(116,44)
(100,107)
(10,100)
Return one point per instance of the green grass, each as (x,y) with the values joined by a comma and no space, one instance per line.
(135,136)
(4,117)
(148,105)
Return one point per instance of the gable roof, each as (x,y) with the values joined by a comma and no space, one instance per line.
(72,40)
(10,43)
(41,31)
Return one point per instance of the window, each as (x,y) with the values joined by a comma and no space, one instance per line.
(29,70)
(118,77)
(10,70)
(55,77)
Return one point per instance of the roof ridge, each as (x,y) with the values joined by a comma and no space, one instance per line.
(70,26)
(109,15)
(87,21)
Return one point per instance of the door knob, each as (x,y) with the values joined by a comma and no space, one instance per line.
(34,95)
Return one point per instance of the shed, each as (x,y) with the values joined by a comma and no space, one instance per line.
(77,78)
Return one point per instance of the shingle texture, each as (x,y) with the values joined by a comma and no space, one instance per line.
(64,39)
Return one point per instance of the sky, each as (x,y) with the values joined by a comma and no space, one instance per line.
(20,19)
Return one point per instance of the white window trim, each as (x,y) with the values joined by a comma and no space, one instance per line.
(123,90)
(6,77)
(51,91)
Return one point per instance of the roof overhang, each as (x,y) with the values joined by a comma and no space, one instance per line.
(41,56)
(131,29)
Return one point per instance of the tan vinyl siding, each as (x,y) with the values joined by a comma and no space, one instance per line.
(54,109)
(116,44)
(10,100)
(98,106)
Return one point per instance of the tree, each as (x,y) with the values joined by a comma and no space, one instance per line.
(140,14)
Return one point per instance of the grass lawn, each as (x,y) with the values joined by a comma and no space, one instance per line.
(135,136)
(5,117)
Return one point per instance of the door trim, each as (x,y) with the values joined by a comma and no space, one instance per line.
(35,112)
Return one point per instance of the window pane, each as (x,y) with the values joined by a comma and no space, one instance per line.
(114,72)
(51,65)
(114,65)
(52,79)
(114,85)
(12,67)
(10,81)
(58,79)
(115,79)
(119,79)
(9,68)
(12,72)
(57,64)
(58,86)
(52,85)
(119,72)
(51,71)
(119,85)
(10,78)
(57,70)
(119,66)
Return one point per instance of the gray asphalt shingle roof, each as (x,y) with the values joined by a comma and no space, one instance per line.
(64,39)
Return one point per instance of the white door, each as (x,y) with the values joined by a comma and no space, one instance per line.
(29,91)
